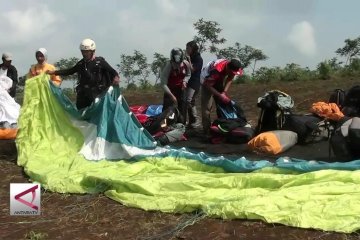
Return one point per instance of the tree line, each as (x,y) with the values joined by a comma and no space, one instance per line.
(136,70)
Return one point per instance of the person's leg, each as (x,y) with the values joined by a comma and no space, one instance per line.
(189,92)
(83,101)
(167,102)
(206,105)
(194,120)
(180,97)
(84,96)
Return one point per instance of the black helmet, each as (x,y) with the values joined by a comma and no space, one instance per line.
(177,55)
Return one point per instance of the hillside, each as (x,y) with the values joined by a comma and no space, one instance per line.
(304,94)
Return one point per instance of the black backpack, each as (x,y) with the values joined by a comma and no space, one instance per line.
(158,122)
(338,97)
(351,106)
(309,127)
(231,125)
(275,106)
(345,140)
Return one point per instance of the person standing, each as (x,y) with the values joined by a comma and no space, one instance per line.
(193,86)
(42,67)
(6,69)
(95,75)
(174,78)
(217,78)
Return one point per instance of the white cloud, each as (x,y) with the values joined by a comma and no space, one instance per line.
(23,26)
(173,8)
(302,38)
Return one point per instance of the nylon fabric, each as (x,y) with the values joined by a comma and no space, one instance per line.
(291,192)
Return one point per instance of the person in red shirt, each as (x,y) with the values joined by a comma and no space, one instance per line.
(174,78)
(216,80)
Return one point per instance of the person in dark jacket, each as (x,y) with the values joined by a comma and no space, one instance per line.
(95,75)
(10,71)
(193,86)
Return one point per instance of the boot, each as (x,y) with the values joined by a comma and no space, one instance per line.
(193,118)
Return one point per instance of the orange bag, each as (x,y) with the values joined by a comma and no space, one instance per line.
(8,133)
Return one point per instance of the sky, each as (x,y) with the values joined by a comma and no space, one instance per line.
(304,32)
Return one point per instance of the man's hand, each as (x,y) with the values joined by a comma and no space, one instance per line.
(184,85)
(116,80)
(224,98)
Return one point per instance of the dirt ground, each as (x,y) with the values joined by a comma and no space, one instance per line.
(72,216)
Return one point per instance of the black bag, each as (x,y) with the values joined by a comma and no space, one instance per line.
(345,141)
(309,128)
(351,106)
(275,106)
(338,97)
(229,111)
(156,123)
(231,125)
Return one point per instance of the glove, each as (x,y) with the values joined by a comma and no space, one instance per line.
(224,98)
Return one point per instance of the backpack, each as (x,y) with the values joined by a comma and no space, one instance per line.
(231,124)
(309,128)
(345,141)
(351,106)
(338,97)
(274,105)
(158,122)
(273,142)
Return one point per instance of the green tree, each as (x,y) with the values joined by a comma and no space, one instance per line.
(256,55)
(293,72)
(208,35)
(324,70)
(335,64)
(157,65)
(65,63)
(135,68)
(248,55)
(228,52)
(266,75)
(355,65)
(350,50)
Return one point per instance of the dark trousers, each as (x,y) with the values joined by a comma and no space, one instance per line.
(83,101)
(168,102)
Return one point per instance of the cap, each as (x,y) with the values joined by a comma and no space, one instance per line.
(235,66)
(7,56)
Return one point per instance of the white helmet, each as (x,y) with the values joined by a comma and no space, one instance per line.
(87,44)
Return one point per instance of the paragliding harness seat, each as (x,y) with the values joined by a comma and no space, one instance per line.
(274,105)
(351,106)
(345,139)
(165,127)
(231,125)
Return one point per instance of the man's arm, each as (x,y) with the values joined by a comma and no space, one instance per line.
(209,83)
(64,72)
(228,83)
